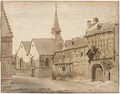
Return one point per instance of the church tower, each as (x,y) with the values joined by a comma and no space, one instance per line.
(56,31)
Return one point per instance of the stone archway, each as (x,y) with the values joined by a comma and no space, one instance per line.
(97,72)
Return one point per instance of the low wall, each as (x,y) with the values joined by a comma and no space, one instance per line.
(23,72)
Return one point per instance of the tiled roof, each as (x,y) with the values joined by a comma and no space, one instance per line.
(78,42)
(104,27)
(26,45)
(44,46)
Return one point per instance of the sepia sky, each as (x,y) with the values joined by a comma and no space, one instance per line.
(35,19)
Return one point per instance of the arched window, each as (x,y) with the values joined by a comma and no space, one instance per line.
(72,42)
(81,53)
(32,61)
(63,68)
(21,63)
(47,62)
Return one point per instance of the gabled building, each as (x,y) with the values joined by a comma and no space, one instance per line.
(72,61)
(6,52)
(101,52)
(41,52)
(94,57)
(22,65)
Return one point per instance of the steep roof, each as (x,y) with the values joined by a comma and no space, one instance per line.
(78,42)
(44,46)
(6,31)
(56,23)
(103,27)
(26,45)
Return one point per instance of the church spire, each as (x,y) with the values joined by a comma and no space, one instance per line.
(56,27)
(58,40)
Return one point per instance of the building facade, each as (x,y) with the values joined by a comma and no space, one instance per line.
(81,64)
(41,52)
(6,52)
(72,61)
(94,57)
(21,59)
(62,64)
(101,49)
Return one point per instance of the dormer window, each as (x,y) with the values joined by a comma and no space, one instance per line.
(98,27)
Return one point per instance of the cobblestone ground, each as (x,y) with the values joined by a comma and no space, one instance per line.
(38,85)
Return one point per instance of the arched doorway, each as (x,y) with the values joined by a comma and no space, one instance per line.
(21,63)
(109,76)
(47,62)
(97,73)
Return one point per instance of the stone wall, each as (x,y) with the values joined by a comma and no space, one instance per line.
(23,72)
(6,62)
(63,65)
(81,71)
(45,66)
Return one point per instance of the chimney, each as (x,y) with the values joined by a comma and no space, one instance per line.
(88,24)
(95,20)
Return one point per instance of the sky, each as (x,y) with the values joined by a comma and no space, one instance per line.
(35,19)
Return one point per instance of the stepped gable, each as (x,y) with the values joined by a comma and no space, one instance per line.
(5,23)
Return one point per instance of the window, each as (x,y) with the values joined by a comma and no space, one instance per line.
(98,27)
(72,43)
(21,63)
(81,53)
(47,62)
(63,68)
(32,61)
(63,56)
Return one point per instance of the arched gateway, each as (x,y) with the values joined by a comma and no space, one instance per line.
(97,72)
